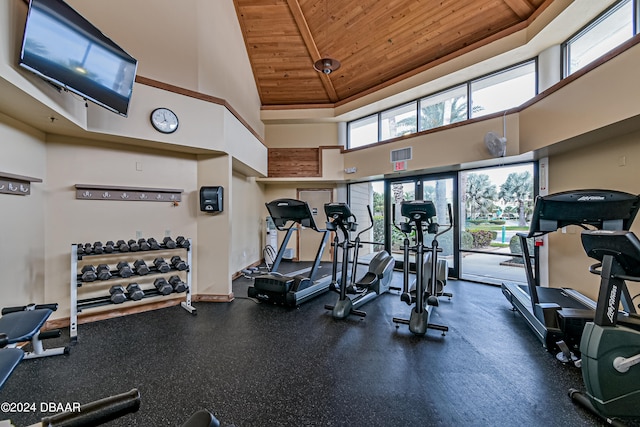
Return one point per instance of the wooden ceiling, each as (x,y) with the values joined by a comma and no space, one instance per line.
(377,42)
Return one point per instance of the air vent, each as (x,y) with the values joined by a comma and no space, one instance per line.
(401,154)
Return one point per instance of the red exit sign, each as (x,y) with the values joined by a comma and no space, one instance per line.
(400,166)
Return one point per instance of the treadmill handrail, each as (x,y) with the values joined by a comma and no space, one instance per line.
(597,270)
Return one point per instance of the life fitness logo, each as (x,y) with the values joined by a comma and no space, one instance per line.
(590,198)
(611,310)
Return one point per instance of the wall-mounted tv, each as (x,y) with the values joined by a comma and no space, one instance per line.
(64,48)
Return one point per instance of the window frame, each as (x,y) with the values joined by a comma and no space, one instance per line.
(496,73)
(565,47)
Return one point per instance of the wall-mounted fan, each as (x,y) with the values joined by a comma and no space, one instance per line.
(497,145)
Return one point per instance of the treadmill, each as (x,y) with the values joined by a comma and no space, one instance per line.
(293,289)
(559,314)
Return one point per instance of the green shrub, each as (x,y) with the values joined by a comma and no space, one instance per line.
(482,238)
(466,240)
(516,248)
(497,222)
(445,241)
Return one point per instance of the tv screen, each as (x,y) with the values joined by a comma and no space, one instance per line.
(67,50)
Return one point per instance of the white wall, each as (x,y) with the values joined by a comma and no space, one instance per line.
(22,252)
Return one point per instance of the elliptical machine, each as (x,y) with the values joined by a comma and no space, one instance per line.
(421,214)
(378,277)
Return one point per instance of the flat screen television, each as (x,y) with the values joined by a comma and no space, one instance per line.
(64,48)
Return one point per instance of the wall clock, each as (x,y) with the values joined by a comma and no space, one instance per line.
(164,120)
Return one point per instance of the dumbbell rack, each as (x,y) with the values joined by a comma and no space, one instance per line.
(77,261)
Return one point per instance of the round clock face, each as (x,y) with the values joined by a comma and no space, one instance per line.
(164,120)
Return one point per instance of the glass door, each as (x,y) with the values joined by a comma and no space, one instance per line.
(496,204)
(399,191)
(440,189)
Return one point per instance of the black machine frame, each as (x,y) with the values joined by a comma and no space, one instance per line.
(292,290)
(373,283)
(559,314)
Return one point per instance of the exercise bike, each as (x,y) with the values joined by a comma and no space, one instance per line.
(426,288)
(376,280)
(610,345)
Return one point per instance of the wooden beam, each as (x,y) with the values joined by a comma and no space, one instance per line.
(522,8)
(310,43)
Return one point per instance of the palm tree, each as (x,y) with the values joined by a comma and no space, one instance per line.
(480,194)
(518,188)
(443,113)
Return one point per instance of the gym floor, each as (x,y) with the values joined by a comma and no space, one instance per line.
(253,364)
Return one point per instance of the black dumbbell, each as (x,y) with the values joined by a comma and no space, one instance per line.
(124,269)
(169,243)
(178,263)
(134,292)
(80,249)
(153,243)
(117,294)
(88,273)
(97,247)
(122,246)
(162,265)
(177,284)
(88,249)
(144,246)
(133,245)
(104,272)
(163,286)
(109,246)
(182,242)
(140,267)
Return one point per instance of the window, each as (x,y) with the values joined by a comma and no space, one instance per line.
(443,108)
(609,30)
(503,90)
(398,121)
(495,205)
(363,131)
(490,94)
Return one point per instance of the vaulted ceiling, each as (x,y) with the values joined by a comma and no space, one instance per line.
(377,42)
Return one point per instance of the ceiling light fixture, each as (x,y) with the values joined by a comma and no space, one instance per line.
(326,65)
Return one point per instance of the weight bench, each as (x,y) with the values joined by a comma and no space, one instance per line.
(23,324)
(9,359)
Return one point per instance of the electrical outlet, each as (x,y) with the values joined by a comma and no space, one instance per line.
(138,234)
(167,233)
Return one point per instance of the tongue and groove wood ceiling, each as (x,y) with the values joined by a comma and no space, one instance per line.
(377,42)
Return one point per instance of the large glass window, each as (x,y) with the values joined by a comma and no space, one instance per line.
(503,90)
(608,31)
(443,108)
(362,195)
(496,204)
(398,121)
(363,131)
(500,90)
